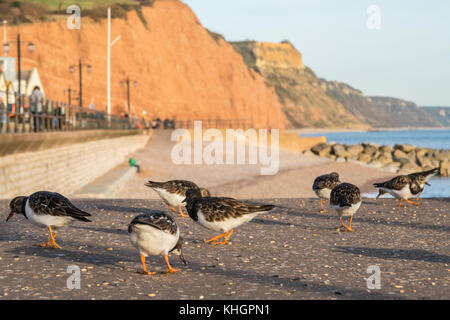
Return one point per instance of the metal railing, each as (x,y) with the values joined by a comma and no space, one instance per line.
(206,123)
(56,116)
(50,115)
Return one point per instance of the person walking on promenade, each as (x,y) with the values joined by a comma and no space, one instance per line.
(36,102)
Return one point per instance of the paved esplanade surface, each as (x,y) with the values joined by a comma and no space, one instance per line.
(293,252)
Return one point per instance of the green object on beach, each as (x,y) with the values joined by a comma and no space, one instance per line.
(133,162)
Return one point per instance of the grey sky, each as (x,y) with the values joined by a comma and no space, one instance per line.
(408,57)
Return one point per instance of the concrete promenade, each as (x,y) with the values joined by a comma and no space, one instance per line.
(293,252)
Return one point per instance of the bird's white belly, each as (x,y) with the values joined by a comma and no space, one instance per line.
(404,193)
(46,220)
(323,193)
(225,225)
(347,211)
(150,241)
(170,198)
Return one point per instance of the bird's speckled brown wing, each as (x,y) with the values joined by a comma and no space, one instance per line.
(173,186)
(220,208)
(345,195)
(54,204)
(326,181)
(156,219)
(396,183)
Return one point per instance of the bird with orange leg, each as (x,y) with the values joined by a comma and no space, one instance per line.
(221,213)
(173,192)
(48,209)
(323,185)
(404,187)
(346,200)
(155,233)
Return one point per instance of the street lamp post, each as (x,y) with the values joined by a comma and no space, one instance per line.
(127,83)
(69,92)
(6,48)
(80,69)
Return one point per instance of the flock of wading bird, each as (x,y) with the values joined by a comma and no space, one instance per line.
(156,232)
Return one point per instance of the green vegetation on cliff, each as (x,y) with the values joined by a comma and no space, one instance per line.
(244,49)
(305,103)
(28,11)
(58,5)
(379,112)
(312,102)
(440,114)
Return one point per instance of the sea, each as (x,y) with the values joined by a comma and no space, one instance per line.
(436,139)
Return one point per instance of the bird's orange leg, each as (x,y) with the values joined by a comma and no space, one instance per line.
(347,228)
(350,225)
(143,266)
(400,203)
(217,237)
(322,209)
(45,245)
(173,209)
(169,267)
(417,199)
(51,243)
(412,202)
(342,222)
(181,212)
(225,241)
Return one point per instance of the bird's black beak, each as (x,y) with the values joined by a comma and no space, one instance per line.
(184,201)
(10,216)
(427,184)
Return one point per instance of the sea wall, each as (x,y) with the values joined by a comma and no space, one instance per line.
(64,162)
(291,141)
(287,141)
(401,158)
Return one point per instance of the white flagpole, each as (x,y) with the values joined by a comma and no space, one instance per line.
(108,67)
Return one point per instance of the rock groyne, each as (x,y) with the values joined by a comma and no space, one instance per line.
(401,158)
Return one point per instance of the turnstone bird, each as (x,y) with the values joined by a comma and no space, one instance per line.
(156,233)
(221,214)
(420,179)
(406,186)
(346,200)
(173,192)
(323,185)
(399,187)
(48,209)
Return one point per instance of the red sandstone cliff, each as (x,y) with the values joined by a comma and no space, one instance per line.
(181,70)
